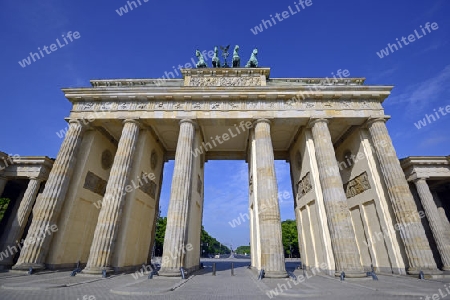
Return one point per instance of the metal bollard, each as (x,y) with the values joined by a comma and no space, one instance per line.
(30,271)
(155,269)
(182,273)
(77,270)
(232,269)
(214,269)
(421,276)
(104,273)
(374,276)
(292,275)
(342,276)
(261,274)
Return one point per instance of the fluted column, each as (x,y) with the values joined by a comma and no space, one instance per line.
(272,252)
(434,219)
(108,223)
(175,236)
(343,238)
(3,182)
(21,218)
(412,232)
(48,207)
(442,213)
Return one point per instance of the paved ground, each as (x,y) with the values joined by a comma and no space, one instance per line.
(202,285)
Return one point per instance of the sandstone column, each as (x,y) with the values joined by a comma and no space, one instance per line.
(411,230)
(3,182)
(343,238)
(175,236)
(21,218)
(442,213)
(109,218)
(434,219)
(272,252)
(49,205)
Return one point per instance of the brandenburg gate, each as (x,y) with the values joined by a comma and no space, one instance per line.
(353,204)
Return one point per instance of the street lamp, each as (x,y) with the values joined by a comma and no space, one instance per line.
(202,252)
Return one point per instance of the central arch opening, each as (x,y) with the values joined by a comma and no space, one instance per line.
(226,217)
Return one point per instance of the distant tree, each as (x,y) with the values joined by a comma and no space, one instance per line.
(4,202)
(159,236)
(211,245)
(290,238)
(208,243)
(243,250)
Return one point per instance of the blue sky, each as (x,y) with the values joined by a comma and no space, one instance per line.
(147,41)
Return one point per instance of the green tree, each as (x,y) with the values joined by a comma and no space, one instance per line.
(4,202)
(209,244)
(161,224)
(243,250)
(290,238)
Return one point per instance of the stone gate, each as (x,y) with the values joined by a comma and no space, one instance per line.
(353,204)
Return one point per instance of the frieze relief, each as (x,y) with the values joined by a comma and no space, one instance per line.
(27,169)
(228,105)
(124,106)
(304,186)
(149,188)
(106,106)
(357,185)
(225,81)
(95,184)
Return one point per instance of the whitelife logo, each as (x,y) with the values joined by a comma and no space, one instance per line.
(411,38)
(53,47)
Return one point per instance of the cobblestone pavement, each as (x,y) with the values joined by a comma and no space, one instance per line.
(203,285)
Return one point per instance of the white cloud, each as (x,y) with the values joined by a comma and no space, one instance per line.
(418,96)
(434,141)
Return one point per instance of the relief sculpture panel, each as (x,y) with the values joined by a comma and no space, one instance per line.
(304,186)
(95,184)
(225,81)
(357,185)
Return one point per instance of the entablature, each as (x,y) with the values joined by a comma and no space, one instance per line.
(428,167)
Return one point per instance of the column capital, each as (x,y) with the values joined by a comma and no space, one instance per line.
(37,178)
(313,121)
(193,122)
(134,121)
(374,119)
(261,120)
(74,121)
(84,123)
(419,179)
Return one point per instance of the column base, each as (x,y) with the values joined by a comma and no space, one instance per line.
(170,272)
(446,269)
(413,271)
(26,267)
(275,274)
(95,271)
